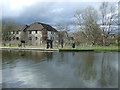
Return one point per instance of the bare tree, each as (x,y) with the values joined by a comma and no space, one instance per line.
(7,27)
(109,17)
(63,33)
(1,32)
(87,23)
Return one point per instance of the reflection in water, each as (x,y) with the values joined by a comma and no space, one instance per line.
(107,72)
(35,69)
(0,70)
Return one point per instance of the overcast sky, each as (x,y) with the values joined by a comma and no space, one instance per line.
(52,12)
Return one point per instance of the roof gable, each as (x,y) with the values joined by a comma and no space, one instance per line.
(48,27)
(35,26)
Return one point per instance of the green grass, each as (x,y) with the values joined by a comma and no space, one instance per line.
(102,46)
(96,49)
(95,46)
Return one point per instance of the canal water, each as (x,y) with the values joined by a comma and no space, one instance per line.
(35,69)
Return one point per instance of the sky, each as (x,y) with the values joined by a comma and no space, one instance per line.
(50,12)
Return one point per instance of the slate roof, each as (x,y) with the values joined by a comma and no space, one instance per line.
(40,26)
(19,27)
(48,27)
(35,26)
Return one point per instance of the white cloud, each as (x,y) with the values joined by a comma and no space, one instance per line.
(57,10)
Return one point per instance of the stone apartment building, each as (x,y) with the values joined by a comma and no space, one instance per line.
(34,34)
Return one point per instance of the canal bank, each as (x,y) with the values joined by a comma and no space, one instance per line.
(62,49)
(18,48)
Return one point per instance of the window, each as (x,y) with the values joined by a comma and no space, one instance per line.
(30,32)
(52,32)
(17,32)
(36,38)
(30,38)
(17,38)
(14,38)
(52,38)
(13,32)
(36,31)
(9,38)
(6,38)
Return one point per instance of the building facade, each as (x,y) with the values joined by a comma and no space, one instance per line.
(34,34)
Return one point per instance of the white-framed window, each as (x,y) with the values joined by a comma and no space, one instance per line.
(17,32)
(13,32)
(14,38)
(36,38)
(17,38)
(30,32)
(30,38)
(36,32)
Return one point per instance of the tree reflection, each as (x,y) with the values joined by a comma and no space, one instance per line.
(86,69)
(12,56)
(60,59)
(93,67)
(107,72)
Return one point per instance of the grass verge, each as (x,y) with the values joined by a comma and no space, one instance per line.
(95,49)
